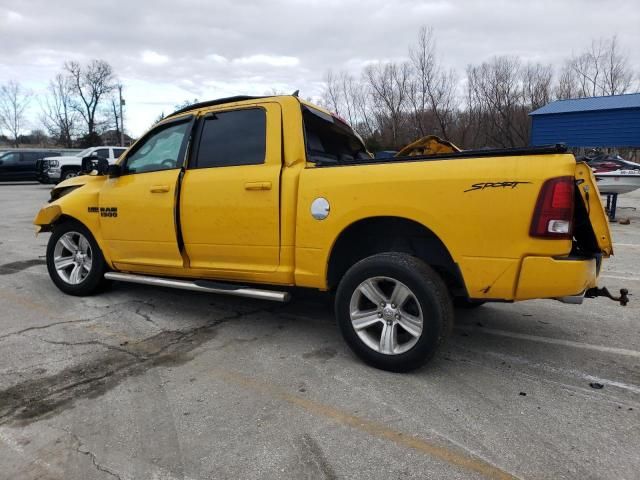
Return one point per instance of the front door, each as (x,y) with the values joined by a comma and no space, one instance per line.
(230,197)
(137,209)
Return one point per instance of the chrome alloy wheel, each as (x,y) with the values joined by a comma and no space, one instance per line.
(386,315)
(72,258)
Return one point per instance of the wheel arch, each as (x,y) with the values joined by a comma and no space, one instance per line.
(371,235)
(95,232)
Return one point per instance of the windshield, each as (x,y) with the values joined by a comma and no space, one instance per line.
(330,140)
(84,152)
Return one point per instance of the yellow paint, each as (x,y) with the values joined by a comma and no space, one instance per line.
(253,223)
(375,429)
(47,215)
(544,277)
(591,197)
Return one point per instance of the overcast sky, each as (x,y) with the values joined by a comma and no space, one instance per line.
(165,52)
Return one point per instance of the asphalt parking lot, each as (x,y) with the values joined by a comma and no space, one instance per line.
(142,382)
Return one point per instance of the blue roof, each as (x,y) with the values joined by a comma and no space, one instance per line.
(611,102)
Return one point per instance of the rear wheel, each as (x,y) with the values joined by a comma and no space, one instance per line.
(74,260)
(394,311)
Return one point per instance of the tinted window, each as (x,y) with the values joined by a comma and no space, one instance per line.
(10,158)
(118,151)
(330,140)
(159,151)
(32,156)
(102,152)
(233,138)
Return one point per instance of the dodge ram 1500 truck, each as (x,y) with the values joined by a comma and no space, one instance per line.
(250,196)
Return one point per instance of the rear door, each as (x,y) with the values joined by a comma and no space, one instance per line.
(230,194)
(586,184)
(28,165)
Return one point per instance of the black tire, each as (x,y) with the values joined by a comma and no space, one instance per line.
(427,289)
(94,280)
(68,173)
(467,303)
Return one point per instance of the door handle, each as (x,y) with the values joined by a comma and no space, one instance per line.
(159,189)
(257,186)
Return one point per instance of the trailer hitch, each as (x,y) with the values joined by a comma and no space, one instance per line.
(594,292)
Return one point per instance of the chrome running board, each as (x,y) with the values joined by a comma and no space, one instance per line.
(201,286)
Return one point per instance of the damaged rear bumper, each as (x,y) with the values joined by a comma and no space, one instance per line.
(569,280)
(547,277)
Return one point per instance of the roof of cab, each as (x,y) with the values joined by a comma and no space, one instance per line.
(239,98)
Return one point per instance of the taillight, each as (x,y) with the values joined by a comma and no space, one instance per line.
(553,216)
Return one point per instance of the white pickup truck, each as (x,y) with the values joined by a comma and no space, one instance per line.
(57,169)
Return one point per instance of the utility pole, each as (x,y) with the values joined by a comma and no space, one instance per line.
(121,117)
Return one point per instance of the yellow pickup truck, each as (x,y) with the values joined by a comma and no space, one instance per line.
(251,196)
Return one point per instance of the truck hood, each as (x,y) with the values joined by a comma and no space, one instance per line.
(64,157)
(80,180)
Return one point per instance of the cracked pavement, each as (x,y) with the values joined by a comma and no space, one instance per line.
(141,382)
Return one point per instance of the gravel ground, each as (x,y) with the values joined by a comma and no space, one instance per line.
(143,382)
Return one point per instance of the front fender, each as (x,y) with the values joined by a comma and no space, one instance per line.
(79,200)
(46,217)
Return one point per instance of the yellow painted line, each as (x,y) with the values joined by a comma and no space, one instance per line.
(620,277)
(552,341)
(26,302)
(452,457)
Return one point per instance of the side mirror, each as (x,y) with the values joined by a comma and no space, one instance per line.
(114,170)
(89,164)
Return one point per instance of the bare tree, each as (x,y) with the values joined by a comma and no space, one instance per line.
(600,70)
(618,76)
(91,83)
(567,86)
(14,101)
(496,94)
(389,86)
(432,90)
(536,85)
(347,97)
(58,115)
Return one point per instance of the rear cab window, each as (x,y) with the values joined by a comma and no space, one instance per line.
(329,140)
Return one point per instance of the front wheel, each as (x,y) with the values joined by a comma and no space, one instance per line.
(68,173)
(394,311)
(74,260)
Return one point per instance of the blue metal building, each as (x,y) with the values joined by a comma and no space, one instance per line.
(612,121)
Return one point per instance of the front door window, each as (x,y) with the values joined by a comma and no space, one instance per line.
(162,150)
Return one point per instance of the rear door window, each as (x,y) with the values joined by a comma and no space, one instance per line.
(233,138)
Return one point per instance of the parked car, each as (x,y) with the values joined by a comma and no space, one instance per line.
(21,164)
(61,168)
(234,195)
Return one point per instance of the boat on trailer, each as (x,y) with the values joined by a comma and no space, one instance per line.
(618,181)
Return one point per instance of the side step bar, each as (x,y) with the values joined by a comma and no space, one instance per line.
(201,286)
